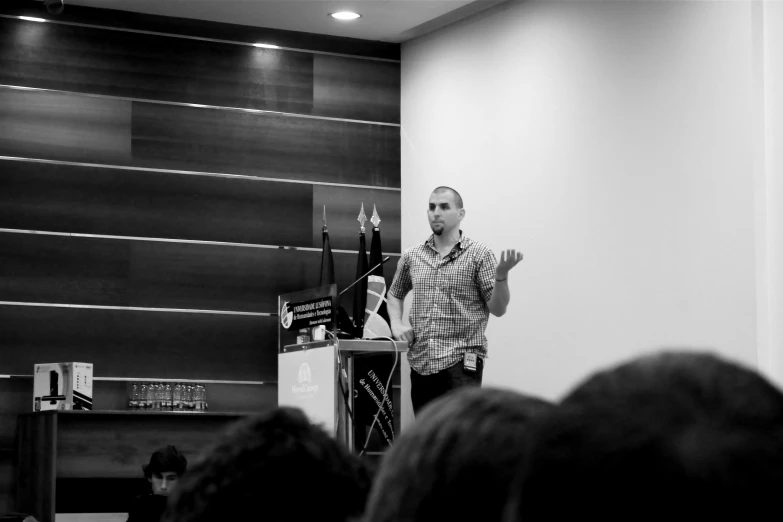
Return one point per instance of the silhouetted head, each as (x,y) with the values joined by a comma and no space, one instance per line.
(665,437)
(458,459)
(275,466)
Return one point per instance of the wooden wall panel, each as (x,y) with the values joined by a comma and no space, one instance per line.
(115,63)
(188,138)
(97,115)
(70,127)
(41,268)
(342,211)
(201,29)
(108,201)
(40,124)
(116,445)
(127,343)
(358,89)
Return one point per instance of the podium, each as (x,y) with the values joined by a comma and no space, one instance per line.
(318,377)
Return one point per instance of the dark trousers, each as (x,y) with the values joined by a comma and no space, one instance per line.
(425,388)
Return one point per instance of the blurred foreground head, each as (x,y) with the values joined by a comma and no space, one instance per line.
(458,459)
(673,436)
(277,467)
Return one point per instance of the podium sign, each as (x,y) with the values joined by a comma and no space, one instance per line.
(305,309)
(306,380)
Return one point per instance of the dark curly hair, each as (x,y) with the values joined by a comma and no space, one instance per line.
(166,459)
(274,466)
(671,436)
(458,460)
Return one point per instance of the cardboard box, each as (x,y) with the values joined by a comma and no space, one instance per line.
(62,386)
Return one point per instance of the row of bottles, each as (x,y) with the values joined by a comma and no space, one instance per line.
(166,396)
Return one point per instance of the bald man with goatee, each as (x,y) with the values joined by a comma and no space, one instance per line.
(456,283)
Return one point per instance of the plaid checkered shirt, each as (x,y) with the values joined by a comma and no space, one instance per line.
(450,301)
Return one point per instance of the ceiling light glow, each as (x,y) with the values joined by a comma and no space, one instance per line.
(345,15)
(266,46)
(31,19)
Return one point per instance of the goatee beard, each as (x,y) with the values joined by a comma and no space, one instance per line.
(437,232)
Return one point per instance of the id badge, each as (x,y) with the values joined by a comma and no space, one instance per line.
(470,361)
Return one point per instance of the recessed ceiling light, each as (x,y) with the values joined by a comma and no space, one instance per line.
(345,15)
(266,46)
(31,19)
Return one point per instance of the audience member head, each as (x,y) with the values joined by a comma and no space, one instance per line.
(672,436)
(164,470)
(458,459)
(275,466)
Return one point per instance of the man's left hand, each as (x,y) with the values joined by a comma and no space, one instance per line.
(508,260)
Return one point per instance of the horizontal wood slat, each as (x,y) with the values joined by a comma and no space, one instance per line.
(68,127)
(151,67)
(118,202)
(200,28)
(274,146)
(113,272)
(125,343)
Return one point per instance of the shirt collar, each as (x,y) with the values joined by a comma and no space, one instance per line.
(462,244)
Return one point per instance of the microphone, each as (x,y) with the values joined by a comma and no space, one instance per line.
(370,271)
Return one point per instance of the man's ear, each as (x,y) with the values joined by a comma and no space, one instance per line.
(461,214)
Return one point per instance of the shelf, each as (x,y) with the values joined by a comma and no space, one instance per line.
(153,379)
(142,413)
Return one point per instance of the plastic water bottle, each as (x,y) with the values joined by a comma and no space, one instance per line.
(200,397)
(153,396)
(168,404)
(133,397)
(143,396)
(176,397)
(189,398)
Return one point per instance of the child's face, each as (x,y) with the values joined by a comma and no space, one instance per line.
(163,483)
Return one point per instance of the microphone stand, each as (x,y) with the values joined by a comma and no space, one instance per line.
(365,275)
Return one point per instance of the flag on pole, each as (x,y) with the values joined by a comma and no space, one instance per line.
(376,317)
(327,262)
(360,292)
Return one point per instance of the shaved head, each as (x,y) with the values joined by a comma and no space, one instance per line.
(454,194)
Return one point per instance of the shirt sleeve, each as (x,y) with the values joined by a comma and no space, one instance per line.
(486,275)
(402,283)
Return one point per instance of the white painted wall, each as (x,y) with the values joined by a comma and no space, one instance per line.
(772,53)
(613,143)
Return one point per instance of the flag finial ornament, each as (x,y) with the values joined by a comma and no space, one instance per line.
(376,219)
(362,219)
(324,229)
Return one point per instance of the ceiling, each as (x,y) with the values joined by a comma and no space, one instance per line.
(385,20)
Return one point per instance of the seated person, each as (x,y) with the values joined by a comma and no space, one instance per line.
(165,468)
(274,466)
(673,436)
(458,459)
